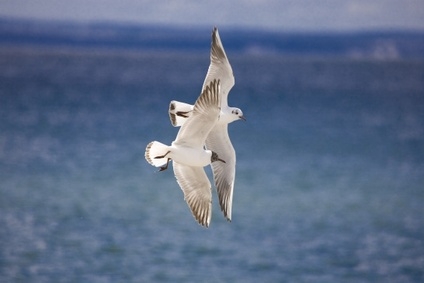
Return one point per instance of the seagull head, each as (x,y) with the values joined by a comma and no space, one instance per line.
(238,114)
(215,157)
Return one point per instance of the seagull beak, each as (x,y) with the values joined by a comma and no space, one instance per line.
(242,118)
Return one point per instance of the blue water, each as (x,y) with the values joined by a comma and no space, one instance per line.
(329,185)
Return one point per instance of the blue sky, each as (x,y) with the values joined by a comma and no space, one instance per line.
(283,15)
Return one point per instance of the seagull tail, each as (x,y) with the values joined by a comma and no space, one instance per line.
(179,112)
(156,153)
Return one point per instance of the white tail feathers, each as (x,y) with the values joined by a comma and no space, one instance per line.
(179,112)
(155,149)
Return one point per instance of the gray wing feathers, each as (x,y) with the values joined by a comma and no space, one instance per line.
(197,191)
(219,67)
(208,103)
(224,173)
(204,117)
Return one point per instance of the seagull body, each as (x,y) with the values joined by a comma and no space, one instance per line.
(219,68)
(188,154)
(182,154)
(218,139)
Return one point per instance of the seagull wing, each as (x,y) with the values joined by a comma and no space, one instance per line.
(204,117)
(223,173)
(197,191)
(219,68)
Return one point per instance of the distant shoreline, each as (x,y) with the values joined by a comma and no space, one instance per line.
(107,36)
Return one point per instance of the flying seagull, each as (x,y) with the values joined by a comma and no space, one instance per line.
(218,139)
(189,156)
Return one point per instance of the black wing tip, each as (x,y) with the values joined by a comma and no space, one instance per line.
(203,217)
(204,225)
(225,212)
(226,216)
(214,36)
(202,220)
(172,105)
(217,50)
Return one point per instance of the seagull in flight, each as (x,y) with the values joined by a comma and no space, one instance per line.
(189,156)
(218,140)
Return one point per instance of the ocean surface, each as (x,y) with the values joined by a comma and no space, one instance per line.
(329,184)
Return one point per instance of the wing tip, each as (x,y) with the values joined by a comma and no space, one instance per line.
(201,209)
(214,32)
(227,212)
(173,119)
(171,112)
(217,49)
(202,216)
(225,197)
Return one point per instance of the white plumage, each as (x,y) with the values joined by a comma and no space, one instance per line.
(188,154)
(218,139)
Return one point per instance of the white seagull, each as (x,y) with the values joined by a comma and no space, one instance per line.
(218,139)
(189,156)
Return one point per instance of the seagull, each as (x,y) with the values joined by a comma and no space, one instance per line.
(189,156)
(218,139)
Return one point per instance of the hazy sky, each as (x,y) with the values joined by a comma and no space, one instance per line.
(286,15)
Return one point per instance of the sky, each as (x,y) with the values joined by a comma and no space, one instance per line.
(282,15)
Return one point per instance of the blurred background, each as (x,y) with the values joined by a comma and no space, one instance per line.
(330,162)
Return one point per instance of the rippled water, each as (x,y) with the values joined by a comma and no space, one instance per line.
(329,181)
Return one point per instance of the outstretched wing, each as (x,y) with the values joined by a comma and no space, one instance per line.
(203,118)
(223,173)
(197,191)
(219,68)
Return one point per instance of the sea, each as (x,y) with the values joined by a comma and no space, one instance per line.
(329,178)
